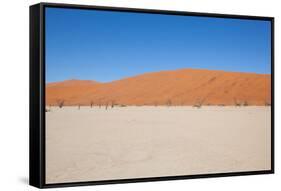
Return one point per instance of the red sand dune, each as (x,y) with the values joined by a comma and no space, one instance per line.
(179,87)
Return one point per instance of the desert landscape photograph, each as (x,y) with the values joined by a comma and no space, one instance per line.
(134,95)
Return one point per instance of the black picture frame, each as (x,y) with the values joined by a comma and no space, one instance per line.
(37,95)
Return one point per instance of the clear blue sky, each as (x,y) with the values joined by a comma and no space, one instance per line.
(106,46)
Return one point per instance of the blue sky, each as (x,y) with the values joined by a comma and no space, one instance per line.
(106,46)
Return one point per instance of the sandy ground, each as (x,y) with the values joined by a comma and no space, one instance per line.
(133,142)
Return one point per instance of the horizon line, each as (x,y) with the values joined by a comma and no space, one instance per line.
(76,79)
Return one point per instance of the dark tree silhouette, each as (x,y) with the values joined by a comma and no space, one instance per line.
(267,103)
(92,104)
(199,103)
(236,102)
(169,102)
(112,103)
(60,103)
(245,103)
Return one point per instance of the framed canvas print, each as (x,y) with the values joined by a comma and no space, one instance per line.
(123,95)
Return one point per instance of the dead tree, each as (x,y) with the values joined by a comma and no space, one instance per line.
(169,102)
(106,106)
(267,103)
(60,103)
(91,104)
(199,103)
(112,103)
(236,102)
(245,103)
(99,103)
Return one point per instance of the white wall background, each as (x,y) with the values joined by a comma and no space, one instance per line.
(14,73)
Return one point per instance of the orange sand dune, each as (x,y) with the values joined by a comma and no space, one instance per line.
(179,87)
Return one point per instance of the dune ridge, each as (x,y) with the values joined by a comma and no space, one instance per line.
(176,87)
